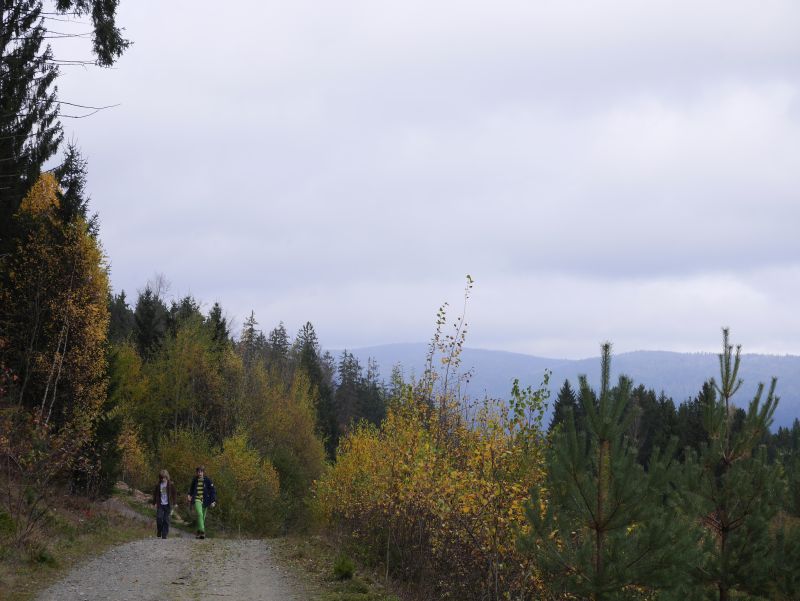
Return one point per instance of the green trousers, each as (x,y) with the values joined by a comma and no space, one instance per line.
(201,515)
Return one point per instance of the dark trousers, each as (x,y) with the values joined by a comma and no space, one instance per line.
(162,520)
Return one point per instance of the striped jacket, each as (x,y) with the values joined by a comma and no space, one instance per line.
(209,492)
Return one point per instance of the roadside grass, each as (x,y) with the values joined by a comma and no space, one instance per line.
(75,529)
(314,559)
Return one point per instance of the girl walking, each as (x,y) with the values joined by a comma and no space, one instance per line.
(165,498)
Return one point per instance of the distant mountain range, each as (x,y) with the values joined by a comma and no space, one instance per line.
(679,375)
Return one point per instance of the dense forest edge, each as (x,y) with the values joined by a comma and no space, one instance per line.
(624,494)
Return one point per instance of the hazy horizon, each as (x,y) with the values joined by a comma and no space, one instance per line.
(544,356)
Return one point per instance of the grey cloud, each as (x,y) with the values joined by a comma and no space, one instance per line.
(349,162)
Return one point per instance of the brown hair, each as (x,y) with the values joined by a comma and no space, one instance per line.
(200,468)
(163,474)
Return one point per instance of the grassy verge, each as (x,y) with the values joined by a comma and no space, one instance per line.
(74,530)
(313,558)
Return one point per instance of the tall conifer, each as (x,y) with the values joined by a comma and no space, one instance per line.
(218,326)
(278,348)
(30,129)
(121,321)
(313,364)
(150,322)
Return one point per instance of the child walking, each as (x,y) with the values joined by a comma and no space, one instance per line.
(202,495)
(165,498)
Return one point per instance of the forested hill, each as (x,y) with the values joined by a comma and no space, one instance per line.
(679,375)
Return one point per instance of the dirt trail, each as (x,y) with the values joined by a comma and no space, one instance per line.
(181,569)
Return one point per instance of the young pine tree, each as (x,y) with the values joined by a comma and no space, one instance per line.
(736,496)
(602,527)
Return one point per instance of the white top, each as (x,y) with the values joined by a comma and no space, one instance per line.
(164,500)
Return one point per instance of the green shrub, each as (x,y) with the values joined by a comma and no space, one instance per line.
(343,567)
(247,487)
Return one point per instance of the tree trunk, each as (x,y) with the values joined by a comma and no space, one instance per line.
(602,485)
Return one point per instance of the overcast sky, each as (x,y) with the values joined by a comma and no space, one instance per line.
(604,170)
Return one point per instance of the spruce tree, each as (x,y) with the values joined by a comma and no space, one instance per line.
(121,321)
(249,340)
(358,396)
(603,528)
(150,322)
(736,493)
(317,370)
(348,390)
(372,400)
(566,402)
(278,348)
(690,428)
(182,312)
(655,421)
(217,323)
(30,129)
(74,201)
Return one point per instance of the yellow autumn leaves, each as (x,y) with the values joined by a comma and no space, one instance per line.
(439,500)
(53,323)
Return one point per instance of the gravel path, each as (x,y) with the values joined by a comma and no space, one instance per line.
(182,570)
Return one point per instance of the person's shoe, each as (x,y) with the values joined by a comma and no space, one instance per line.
(202,536)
